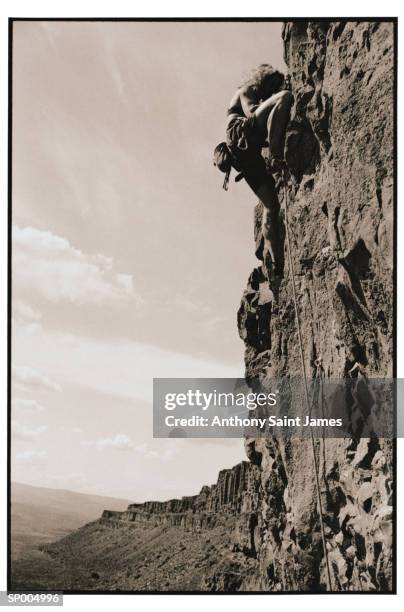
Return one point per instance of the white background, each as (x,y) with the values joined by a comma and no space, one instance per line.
(207,8)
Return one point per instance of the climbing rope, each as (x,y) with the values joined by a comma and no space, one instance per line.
(306,391)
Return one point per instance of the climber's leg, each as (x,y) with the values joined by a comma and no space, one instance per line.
(271,228)
(272,119)
(263,185)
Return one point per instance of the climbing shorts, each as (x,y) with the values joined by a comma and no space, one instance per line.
(240,131)
(243,141)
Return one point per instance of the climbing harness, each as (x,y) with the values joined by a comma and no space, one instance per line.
(306,391)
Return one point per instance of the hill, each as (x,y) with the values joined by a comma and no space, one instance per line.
(135,557)
(40,515)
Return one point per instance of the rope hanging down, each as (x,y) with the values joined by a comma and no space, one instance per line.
(306,392)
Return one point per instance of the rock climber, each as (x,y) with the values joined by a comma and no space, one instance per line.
(258,115)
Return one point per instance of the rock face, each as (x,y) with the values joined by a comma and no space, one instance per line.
(339,149)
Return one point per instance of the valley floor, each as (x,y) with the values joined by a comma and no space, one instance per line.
(129,557)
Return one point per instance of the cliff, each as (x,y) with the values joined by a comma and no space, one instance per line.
(232,501)
(339,150)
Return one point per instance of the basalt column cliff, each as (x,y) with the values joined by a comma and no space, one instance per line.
(339,149)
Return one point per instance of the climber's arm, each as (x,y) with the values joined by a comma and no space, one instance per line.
(248,100)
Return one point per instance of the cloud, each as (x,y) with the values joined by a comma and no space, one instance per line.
(49,266)
(161,449)
(32,456)
(166,454)
(25,316)
(29,377)
(107,365)
(119,442)
(21,432)
(27,405)
(25,311)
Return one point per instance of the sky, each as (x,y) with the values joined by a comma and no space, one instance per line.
(129,260)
